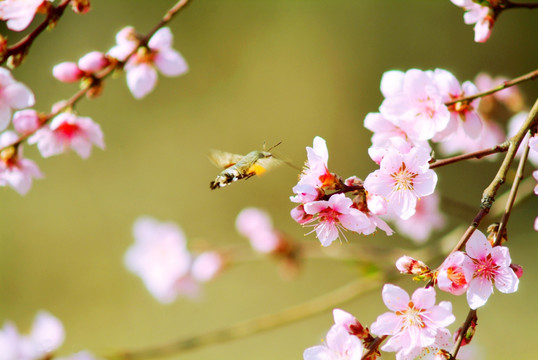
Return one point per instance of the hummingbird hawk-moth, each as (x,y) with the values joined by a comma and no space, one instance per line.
(237,167)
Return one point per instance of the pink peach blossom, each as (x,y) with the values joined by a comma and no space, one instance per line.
(13,95)
(19,13)
(67,72)
(207,266)
(490,266)
(93,62)
(479,15)
(339,345)
(141,66)
(462,114)
(46,336)
(26,121)
(160,257)
(402,179)
(335,215)
(68,131)
(414,322)
(15,170)
(417,108)
(455,273)
(257,226)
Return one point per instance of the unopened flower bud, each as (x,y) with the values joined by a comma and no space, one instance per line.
(518,270)
(80,6)
(26,121)
(67,72)
(469,333)
(298,214)
(93,62)
(207,266)
(493,233)
(408,265)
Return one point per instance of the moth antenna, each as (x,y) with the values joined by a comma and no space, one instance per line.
(272,147)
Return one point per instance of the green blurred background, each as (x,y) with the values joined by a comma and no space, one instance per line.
(281,70)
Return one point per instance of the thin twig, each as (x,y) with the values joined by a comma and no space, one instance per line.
(530,76)
(511,5)
(471,316)
(473,155)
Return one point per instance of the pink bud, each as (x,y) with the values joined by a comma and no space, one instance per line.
(518,270)
(298,214)
(408,265)
(67,72)
(26,121)
(93,62)
(207,266)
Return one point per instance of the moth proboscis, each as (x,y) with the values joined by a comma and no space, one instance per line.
(237,167)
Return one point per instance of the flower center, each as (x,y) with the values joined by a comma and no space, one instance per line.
(412,316)
(485,268)
(403,178)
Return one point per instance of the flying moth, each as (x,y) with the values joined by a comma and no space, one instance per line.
(237,167)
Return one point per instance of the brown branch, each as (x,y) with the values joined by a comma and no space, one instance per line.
(511,5)
(530,76)
(97,79)
(23,46)
(471,316)
(373,346)
(488,196)
(473,155)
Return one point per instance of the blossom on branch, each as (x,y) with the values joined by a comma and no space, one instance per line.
(480,15)
(68,131)
(414,323)
(490,266)
(13,95)
(15,170)
(19,13)
(402,179)
(339,345)
(142,66)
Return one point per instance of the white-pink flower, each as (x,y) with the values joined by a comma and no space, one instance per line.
(443,341)
(160,257)
(417,107)
(26,121)
(414,322)
(455,273)
(462,114)
(256,225)
(46,336)
(402,179)
(68,131)
(15,170)
(13,95)
(315,174)
(479,15)
(427,217)
(141,66)
(207,266)
(339,345)
(490,266)
(19,13)
(335,215)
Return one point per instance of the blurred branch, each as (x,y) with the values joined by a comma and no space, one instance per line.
(512,5)
(95,81)
(262,323)
(530,76)
(472,155)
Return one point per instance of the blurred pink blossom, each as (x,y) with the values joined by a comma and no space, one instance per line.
(13,95)
(414,322)
(19,13)
(490,266)
(26,121)
(141,66)
(46,336)
(67,72)
(257,227)
(68,131)
(207,266)
(427,217)
(514,124)
(160,257)
(15,170)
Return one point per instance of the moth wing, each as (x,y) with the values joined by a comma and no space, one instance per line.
(262,165)
(223,159)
